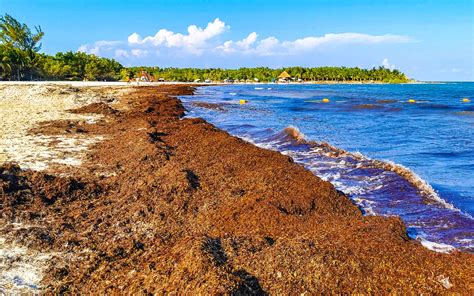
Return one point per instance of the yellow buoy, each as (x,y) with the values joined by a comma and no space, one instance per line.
(325,100)
(466,100)
(411,101)
(242,102)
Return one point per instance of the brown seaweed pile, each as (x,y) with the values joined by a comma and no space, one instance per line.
(166,204)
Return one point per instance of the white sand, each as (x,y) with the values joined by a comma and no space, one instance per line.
(20,269)
(22,107)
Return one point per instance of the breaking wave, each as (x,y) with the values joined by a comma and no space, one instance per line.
(378,188)
(293,134)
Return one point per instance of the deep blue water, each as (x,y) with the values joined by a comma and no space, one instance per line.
(427,147)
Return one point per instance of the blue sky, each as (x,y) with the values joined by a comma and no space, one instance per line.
(428,40)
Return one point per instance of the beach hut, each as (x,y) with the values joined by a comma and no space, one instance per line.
(145,77)
(284,77)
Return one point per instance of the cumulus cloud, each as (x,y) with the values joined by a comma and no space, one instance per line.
(99,47)
(195,40)
(121,53)
(134,39)
(200,41)
(386,64)
(139,53)
(343,38)
(273,46)
(244,44)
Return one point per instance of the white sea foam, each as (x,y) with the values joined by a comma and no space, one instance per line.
(363,161)
(338,162)
(437,247)
(367,206)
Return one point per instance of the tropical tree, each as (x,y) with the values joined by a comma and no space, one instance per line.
(19,48)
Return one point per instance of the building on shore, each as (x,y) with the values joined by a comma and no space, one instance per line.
(284,77)
(145,77)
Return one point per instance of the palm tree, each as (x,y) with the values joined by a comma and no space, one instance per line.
(21,44)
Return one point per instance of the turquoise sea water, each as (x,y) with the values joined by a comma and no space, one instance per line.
(392,157)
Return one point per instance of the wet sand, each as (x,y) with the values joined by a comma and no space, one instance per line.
(163,204)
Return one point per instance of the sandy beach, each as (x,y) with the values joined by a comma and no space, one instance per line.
(105,188)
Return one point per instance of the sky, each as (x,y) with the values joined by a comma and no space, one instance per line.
(426,39)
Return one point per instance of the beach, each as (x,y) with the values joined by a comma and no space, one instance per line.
(108,189)
(389,155)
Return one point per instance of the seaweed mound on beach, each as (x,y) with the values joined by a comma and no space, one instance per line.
(97,108)
(171,205)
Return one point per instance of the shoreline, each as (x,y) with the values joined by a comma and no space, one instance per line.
(155,83)
(154,220)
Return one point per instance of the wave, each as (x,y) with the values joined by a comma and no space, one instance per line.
(379,188)
(359,160)
(437,247)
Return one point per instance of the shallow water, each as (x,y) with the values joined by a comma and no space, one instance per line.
(392,157)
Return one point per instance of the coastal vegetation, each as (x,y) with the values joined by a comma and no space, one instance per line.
(265,74)
(20,60)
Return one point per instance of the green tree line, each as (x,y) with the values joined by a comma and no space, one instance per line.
(265,74)
(20,60)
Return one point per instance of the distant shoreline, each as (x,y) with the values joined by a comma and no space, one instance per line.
(155,83)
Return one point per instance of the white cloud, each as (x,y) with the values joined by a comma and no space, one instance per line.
(196,39)
(267,46)
(343,38)
(139,53)
(201,41)
(386,64)
(134,39)
(247,42)
(272,46)
(121,53)
(99,47)
(244,44)
(83,48)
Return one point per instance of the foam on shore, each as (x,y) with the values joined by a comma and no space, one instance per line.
(425,189)
(336,166)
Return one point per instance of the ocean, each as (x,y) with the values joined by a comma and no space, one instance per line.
(401,149)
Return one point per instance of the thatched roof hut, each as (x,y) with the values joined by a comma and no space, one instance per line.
(284,76)
(145,77)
